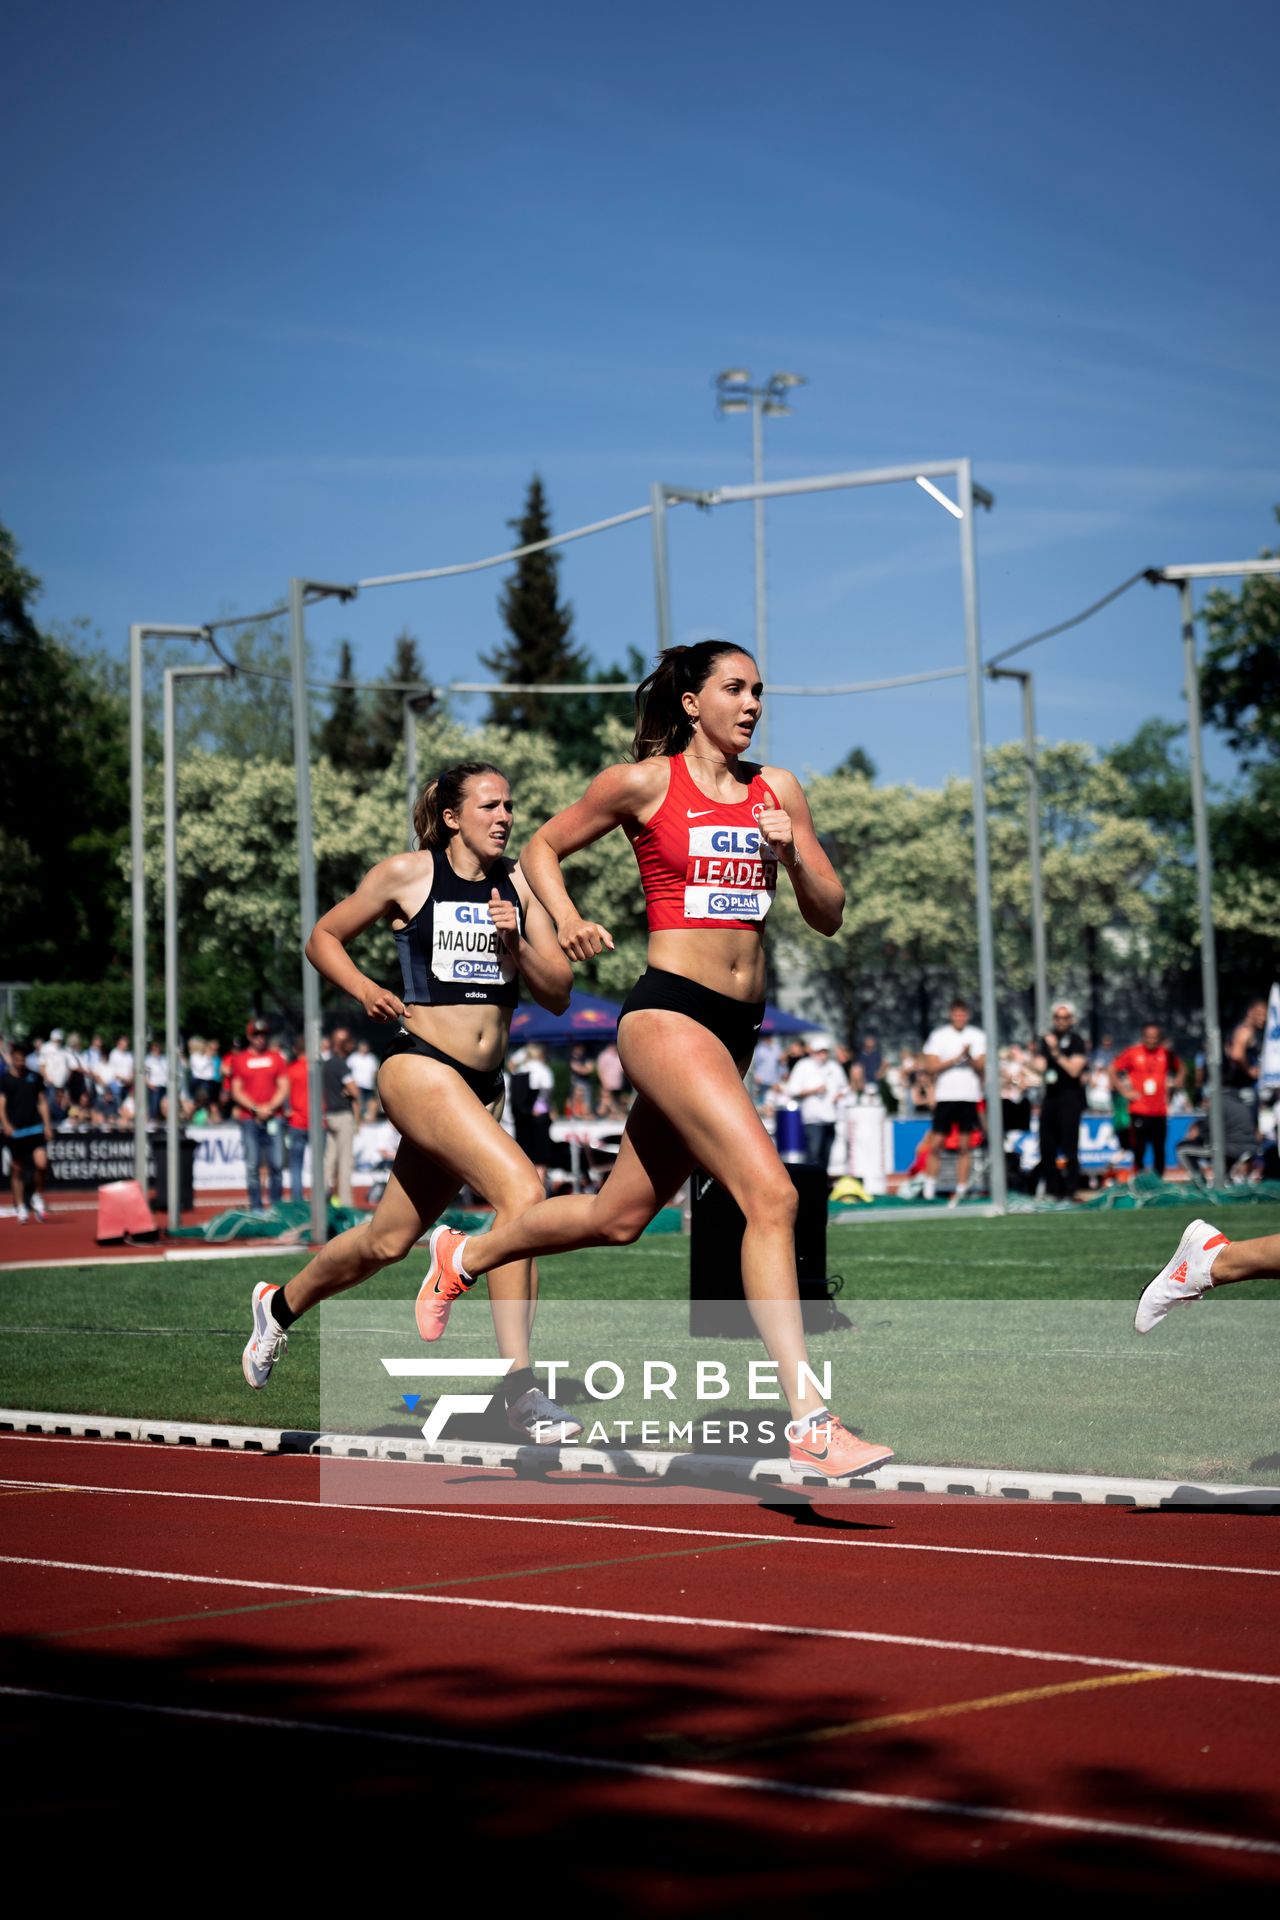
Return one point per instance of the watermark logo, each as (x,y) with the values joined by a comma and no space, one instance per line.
(448,1404)
(607,1380)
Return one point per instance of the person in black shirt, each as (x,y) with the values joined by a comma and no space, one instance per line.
(1061,1058)
(25,1126)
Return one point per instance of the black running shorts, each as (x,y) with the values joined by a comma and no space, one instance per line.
(486,1086)
(735,1023)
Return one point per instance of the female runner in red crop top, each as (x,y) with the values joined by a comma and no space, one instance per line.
(709,831)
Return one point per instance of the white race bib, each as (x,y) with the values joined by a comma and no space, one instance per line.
(728,877)
(466,946)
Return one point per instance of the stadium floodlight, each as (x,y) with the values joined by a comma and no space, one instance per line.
(736,394)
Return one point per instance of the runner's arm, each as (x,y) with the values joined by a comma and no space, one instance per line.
(537,952)
(819,893)
(617,795)
(377,893)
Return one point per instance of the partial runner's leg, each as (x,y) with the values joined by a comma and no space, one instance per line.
(442,1117)
(417,1192)
(692,1110)
(664,1051)
(1248,1260)
(652,1165)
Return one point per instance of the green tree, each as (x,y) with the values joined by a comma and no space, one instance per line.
(858,762)
(1244,823)
(386,721)
(905,854)
(64,793)
(341,738)
(540,649)
(1240,672)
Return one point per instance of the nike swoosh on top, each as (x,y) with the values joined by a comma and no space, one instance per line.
(700,815)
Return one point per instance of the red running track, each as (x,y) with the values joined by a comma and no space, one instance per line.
(712,1708)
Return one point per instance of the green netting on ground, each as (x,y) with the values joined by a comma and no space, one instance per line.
(237,1223)
(1149,1190)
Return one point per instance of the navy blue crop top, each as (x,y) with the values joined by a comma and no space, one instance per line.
(450,952)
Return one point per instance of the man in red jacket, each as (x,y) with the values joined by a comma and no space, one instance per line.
(259,1081)
(1142,1074)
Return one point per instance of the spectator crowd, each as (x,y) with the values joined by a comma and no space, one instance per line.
(1052,1080)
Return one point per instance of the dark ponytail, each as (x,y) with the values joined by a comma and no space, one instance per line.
(444,795)
(662,725)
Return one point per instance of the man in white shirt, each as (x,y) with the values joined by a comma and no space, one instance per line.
(957,1056)
(55,1065)
(817,1083)
(120,1071)
(363,1069)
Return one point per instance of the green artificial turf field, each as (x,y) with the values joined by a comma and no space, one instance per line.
(973,1342)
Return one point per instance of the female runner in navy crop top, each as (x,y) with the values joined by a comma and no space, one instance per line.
(709,831)
(468,929)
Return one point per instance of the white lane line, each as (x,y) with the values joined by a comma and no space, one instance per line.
(681,1776)
(256,1251)
(711,1622)
(800,1538)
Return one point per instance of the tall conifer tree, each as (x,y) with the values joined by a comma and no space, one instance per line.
(540,648)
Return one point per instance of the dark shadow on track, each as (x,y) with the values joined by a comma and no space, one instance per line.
(293,1812)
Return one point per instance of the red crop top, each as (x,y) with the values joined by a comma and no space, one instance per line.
(701,862)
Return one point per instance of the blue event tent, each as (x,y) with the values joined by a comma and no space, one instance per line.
(776,1021)
(590,1018)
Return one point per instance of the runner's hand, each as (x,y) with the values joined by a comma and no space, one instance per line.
(379,1002)
(583,939)
(505,919)
(775,827)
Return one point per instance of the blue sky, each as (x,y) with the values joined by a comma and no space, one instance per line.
(314,290)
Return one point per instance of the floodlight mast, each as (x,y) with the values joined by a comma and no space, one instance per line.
(174,1118)
(1182,577)
(736,394)
(300,591)
(137,887)
(1031,757)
